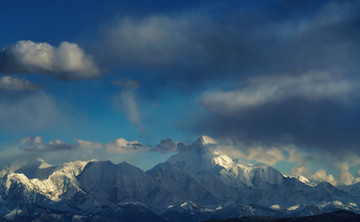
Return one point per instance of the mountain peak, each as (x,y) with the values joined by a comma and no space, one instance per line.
(303,179)
(204,140)
(324,184)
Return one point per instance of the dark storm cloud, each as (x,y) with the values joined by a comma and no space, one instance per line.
(321,125)
(295,62)
(312,110)
(198,45)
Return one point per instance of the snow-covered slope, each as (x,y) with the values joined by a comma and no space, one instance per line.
(202,141)
(303,180)
(203,167)
(39,178)
(200,182)
(230,172)
(115,182)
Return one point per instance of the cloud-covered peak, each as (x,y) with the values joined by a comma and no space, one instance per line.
(202,145)
(67,61)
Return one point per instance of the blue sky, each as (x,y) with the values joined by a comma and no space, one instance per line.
(274,82)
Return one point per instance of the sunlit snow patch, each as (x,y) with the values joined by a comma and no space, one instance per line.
(275,207)
(293,207)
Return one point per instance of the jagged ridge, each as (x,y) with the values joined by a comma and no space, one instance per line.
(197,183)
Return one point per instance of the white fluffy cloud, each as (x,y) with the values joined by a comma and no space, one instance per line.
(295,155)
(262,90)
(9,83)
(267,155)
(304,160)
(321,175)
(346,176)
(67,61)
(317,177)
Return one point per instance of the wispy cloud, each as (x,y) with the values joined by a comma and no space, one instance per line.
(37,144)
(312,86)
(87,144)
(32,112)
(119,145)
(8,83)
(166,146)
(127,101)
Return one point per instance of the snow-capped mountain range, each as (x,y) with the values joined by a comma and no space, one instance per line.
(196,184)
